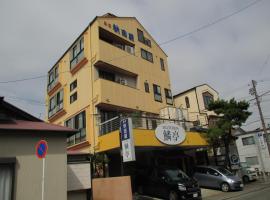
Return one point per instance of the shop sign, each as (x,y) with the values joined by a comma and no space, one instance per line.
(127,141)
(171,134)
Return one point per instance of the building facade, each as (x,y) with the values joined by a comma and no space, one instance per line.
(111,68)
(20,168)
(194,104)
(253,150)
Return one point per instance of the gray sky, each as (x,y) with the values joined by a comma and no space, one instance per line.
(227,55)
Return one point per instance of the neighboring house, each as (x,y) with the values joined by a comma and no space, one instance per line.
(250,146)
(194,103)
(20,169)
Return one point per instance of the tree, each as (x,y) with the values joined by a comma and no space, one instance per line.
(231,114)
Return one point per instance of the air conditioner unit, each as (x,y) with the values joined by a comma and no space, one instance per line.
(129,49)
(123,81)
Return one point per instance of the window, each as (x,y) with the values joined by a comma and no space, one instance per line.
(7,166)
(77,53)
(106,75)
(131,37)
(78,122)
(187,102)
(162,66)
(73,85)
(116,28)
(142,39)
(73,97)
(56,103)
(157,93)
(248,140)
(147,55)
(52,78)
(168,95)
(146,87)
(207,99)
(252,160)
(124,33)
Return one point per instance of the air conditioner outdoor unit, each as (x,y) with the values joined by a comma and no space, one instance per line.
(123,81)
(129,49)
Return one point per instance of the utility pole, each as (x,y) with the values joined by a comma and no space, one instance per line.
(253,91)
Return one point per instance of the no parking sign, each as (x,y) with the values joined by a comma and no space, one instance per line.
(41,149)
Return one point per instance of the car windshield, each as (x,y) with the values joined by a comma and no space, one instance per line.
(224,171)
(176,175)
(245,165)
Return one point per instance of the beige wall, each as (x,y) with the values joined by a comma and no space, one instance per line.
(197,110)
(28,172)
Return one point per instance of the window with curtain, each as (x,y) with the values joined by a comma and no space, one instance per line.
(6,183)
(187,102)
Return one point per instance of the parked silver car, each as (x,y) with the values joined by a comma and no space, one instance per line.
(217,177)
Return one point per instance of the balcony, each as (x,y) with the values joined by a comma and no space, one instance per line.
(113,55)
(110,92)
(144,134)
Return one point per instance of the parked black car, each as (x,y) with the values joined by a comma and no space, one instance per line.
(168,183)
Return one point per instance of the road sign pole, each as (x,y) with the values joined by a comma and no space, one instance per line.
(43,177)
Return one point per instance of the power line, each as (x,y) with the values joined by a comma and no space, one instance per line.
(163,43)
(212,23)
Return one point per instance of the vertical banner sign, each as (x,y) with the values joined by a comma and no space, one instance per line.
(126,132)
(261,140)
(41,152)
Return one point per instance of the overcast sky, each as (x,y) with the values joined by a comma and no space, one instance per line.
(227,55)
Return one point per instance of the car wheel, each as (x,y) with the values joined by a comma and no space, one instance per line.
(140,190)
(225,187)
(245,179)
(173,195)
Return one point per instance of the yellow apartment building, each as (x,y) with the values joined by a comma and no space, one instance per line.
(114,68)
(194,104)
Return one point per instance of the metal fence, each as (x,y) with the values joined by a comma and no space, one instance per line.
(147,123)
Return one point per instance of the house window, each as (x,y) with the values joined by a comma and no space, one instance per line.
(248,140)
(252,160)
(187,102)
(168,95)
(56,103)
(207,99)
(7,178)
(146,87)
(131,37)
(157,93)
(124,33)
(142,39)
(73,97)
(73,85)
(77,53)
(147,55)
(162,66)
(52,78)
(78,122)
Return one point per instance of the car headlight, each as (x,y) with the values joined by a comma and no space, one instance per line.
(230,180)
(182,187)
(249,172)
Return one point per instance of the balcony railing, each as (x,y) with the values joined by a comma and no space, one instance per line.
(147,123)
(52,84)
(55,110)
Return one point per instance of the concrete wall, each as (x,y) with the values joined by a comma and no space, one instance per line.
(28,172)
(253,150)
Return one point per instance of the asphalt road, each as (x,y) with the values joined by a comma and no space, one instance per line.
(258,195)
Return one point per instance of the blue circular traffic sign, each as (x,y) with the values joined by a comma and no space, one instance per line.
(41,149)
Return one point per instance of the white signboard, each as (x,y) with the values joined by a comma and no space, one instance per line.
(171,134)
(261,140)
(128,149)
